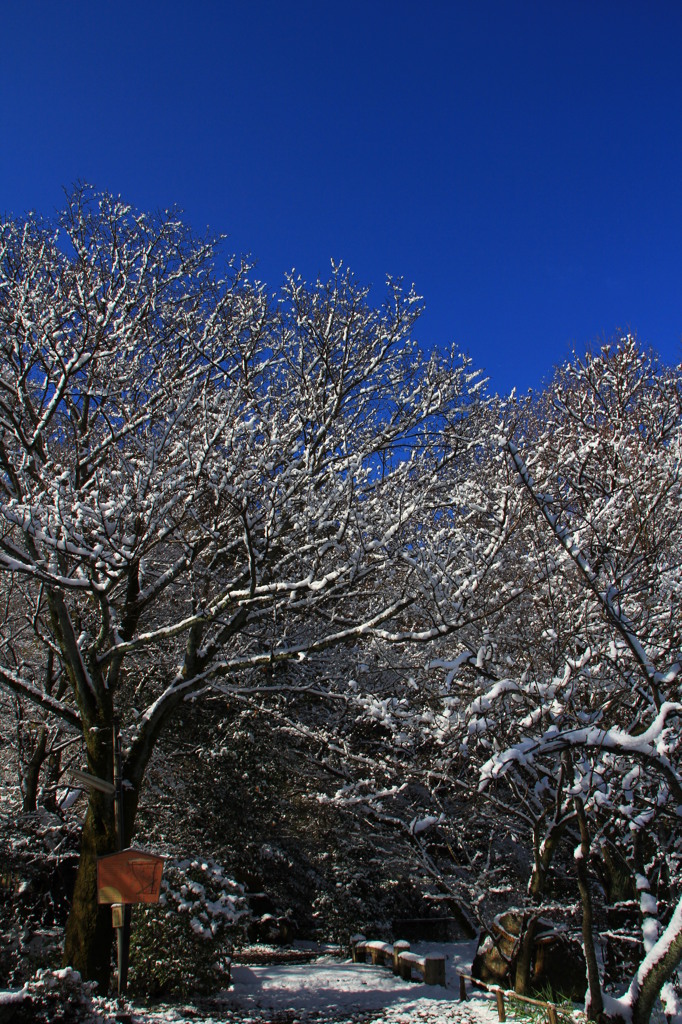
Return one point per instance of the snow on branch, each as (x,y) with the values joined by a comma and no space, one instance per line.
(649,745)
(604,596)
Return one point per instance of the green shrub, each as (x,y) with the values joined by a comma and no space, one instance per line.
(183,943)
(520,1010)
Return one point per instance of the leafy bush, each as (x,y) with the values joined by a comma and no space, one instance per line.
(55,997)
(183,943)
(37,866)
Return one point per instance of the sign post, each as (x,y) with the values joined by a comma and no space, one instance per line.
(122,928)
(123,878)
(129,876)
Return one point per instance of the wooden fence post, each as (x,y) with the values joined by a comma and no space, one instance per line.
(355,941)
(399,947)
(434,970)
(405,968)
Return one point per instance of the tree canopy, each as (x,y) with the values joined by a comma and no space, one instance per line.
(209,490)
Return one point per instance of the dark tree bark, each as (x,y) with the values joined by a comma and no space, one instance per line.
(30,772)
(89,932)
(657,969)
(594,1004)
(524,960)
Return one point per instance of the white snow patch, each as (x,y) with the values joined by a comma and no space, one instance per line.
(331,986)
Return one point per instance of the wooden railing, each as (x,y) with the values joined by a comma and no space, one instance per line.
(398,956)
(501,994)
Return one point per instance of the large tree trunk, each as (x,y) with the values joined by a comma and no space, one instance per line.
(521,978)
(544,853)
(544,849)
(89,932)
(30,772)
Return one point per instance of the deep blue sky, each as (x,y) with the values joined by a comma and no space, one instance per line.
(520,161)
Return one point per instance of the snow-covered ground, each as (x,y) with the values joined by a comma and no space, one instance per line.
(332,990)
(328,990)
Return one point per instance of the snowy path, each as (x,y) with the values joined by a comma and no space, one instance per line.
(328,990)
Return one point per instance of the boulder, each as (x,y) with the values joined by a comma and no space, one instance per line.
(556,959)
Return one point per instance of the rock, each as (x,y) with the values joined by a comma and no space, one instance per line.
(272,930)
(489,965)
(557,960)
(560,964)
(260,903)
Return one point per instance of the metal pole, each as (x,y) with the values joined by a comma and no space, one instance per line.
(124,960)
(118,794)
(123,929)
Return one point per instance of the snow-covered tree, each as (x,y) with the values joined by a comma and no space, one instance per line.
(197,483)
(402,747)
(595,734)
(559,693)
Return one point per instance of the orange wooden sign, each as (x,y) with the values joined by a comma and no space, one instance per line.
(131,876)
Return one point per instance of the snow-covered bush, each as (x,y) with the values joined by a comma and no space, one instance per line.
(37,867)
(55,997)
(183,943)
